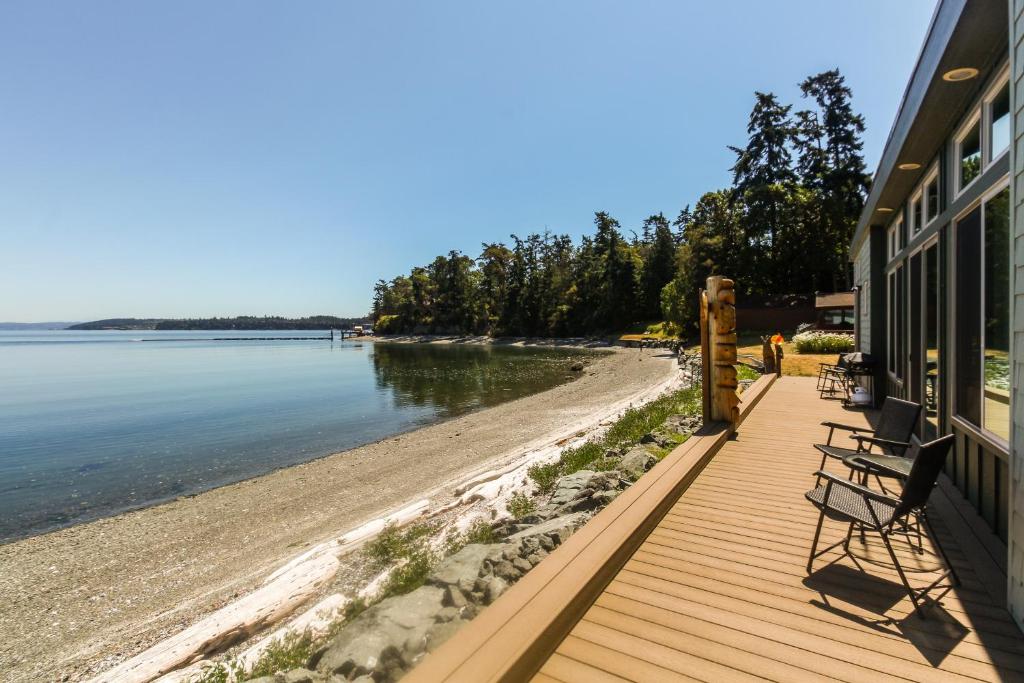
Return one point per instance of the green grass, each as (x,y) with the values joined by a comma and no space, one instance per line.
(626,431)
(746,372)
(394,544)
(520,505)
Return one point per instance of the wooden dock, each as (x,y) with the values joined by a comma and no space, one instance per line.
(712,586)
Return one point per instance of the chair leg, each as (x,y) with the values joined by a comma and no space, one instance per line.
(899,570)
(849,534)
(814,543)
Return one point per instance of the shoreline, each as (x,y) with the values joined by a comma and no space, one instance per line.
(85,598)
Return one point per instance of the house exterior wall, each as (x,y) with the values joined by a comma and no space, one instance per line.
(1015,544)
(862,280)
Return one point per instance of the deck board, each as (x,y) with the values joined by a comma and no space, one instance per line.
(719,591)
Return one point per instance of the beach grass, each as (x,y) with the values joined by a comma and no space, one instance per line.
(626,431)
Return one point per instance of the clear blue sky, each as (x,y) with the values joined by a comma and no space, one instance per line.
(195,158)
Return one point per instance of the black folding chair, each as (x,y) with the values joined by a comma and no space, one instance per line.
(847,501)
(896,423)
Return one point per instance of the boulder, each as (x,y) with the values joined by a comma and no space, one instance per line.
(439,633)
(455,597)
(388,636)
(542,532)
(522,565)
(683,424)
(495,587)
(301,676)
(507,571)
(659,438)
(464,564)
(636,462)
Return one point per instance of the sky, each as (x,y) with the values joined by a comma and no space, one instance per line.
(187,159)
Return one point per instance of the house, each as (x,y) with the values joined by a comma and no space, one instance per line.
(938,256)
(834,312)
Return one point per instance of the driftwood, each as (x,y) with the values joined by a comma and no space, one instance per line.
(280,595)
(228,625)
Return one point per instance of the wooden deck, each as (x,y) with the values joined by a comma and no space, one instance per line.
(718,591)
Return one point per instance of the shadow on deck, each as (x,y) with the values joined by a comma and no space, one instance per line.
(697,572)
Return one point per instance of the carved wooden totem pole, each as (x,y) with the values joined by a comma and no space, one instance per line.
(718,342)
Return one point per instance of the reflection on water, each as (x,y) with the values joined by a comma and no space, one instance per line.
(456,379)
(95,423)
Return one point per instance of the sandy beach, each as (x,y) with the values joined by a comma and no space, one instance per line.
(79,600)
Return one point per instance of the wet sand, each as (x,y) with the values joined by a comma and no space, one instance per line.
(80,600)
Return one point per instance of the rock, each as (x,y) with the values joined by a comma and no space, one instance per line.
(522,565)
(582,484)
(454,597)
(658,438)
(386,637)
(576,367)
(301,676)
(546,544)
(636,462)
(683,424)
(606,497)
(263,679)
(495,587)
(541,531)
(447,614)
(463,564)
(442,632)
(505,570)
(361,679)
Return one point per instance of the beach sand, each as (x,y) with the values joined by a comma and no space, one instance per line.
(80,600)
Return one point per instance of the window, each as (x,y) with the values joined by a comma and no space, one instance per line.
(933,364)
(997,315)
(983,315)
(999,121)
(894,239)
(916,213)
(931,196)
(969,155)
(896,343)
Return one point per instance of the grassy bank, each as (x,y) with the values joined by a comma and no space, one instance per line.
(626,431)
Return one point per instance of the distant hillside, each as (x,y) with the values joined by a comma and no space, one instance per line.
(245,322)
(36,326)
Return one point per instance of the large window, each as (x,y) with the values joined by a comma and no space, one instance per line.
(983,315)
(933,361)
(997,315)
(896,343)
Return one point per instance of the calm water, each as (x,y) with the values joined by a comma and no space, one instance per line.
(94,423)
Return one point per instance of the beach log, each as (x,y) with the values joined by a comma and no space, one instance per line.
(266,605)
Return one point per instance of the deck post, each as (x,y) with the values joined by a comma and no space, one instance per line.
(718,347)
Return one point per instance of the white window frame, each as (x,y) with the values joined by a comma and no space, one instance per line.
(892,238)
(933,174)
(974,119)
(1002,81)
(916,199)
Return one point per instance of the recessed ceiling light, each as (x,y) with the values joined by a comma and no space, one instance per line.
(909,166)
(962,74)
(884,209)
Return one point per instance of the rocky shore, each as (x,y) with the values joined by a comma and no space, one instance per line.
(384,642)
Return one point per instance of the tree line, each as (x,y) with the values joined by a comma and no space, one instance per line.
(782,227)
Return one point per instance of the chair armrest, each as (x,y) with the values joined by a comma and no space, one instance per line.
(854,461)
(838,425)
(861,438)
(858,488)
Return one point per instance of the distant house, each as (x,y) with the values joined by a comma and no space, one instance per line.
(937,263)
(834,311)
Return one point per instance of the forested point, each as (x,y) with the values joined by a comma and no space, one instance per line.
(783,227)
(245,322)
